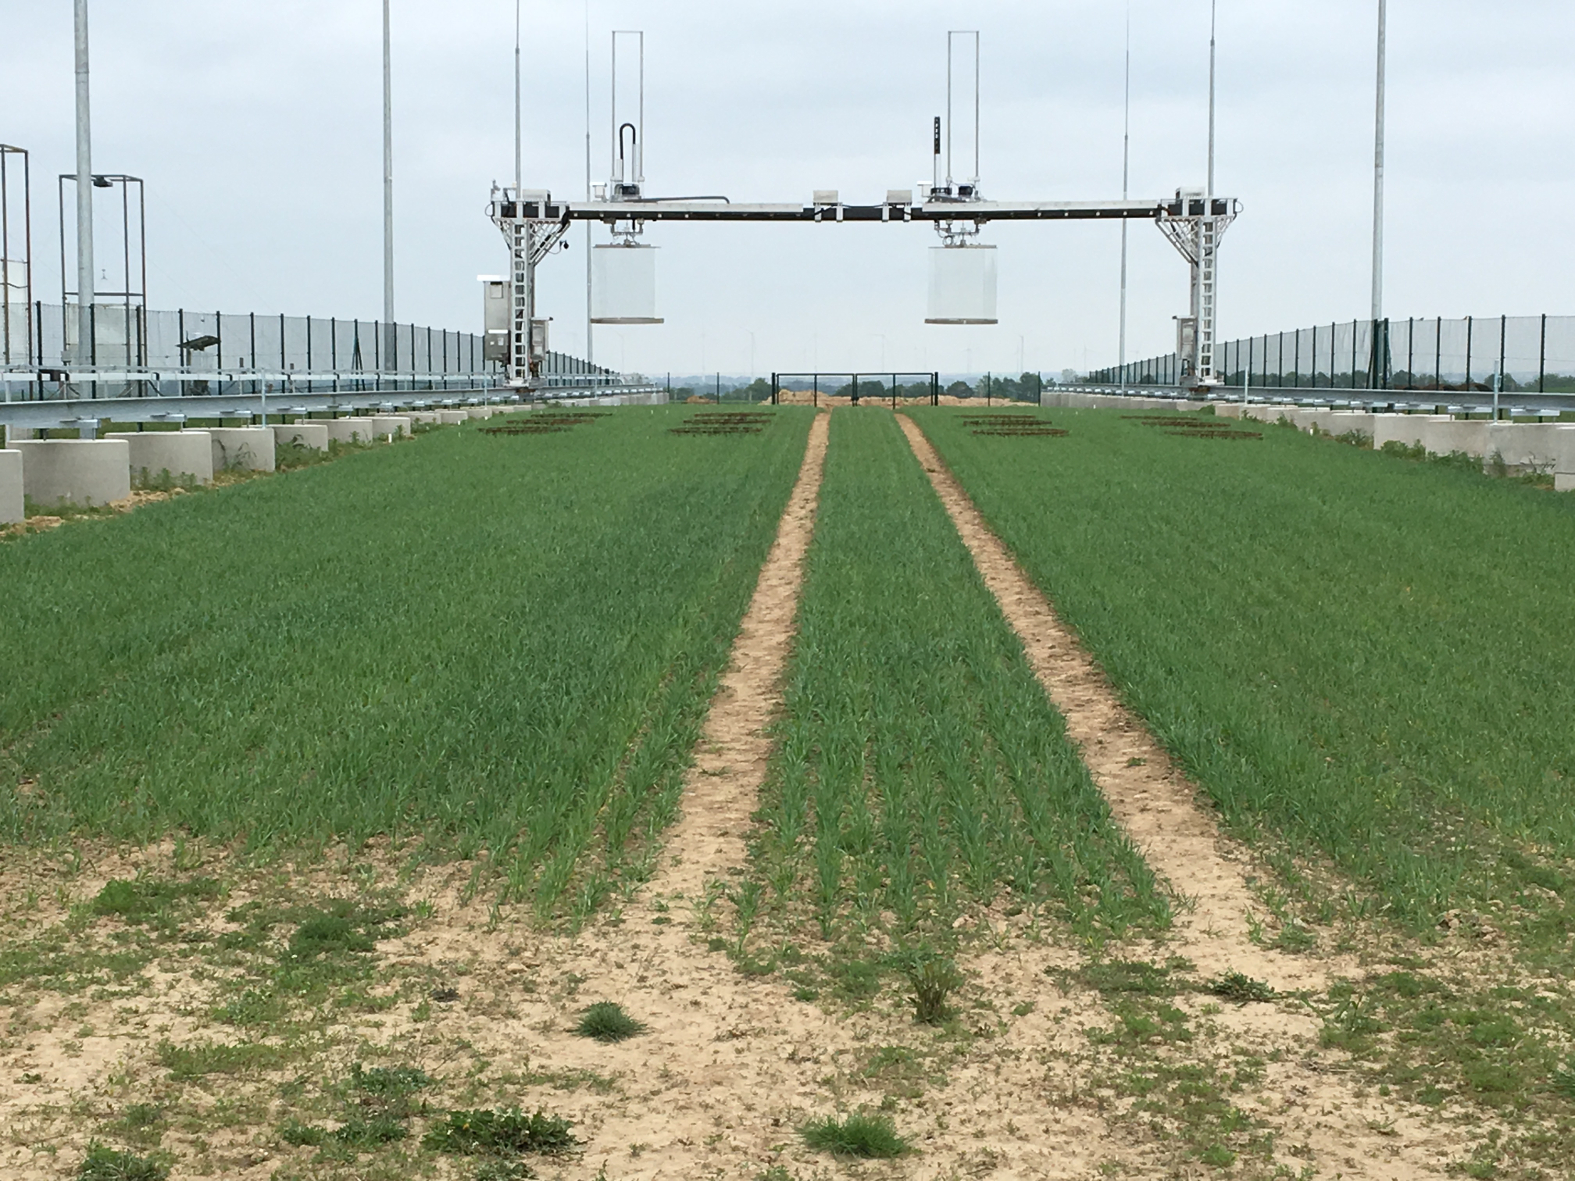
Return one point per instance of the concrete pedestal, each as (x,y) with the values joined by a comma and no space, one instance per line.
(1446,436)
(391,426)
(311,435)
(452,417)
(12,509)
(479,411)
(1406,429)
(242,448)
(185,455)
(1545,447)
(1563,482)
(1343,422)
(424,417)
(82,472)
(350,430)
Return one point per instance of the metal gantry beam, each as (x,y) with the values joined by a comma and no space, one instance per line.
(533,224)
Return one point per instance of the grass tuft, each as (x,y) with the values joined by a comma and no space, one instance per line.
(933,978)
(1234,986)
(871,1137)
(105,1164)
(606,1021)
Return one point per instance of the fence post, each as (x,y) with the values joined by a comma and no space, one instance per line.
(1470,326)
(1542,357)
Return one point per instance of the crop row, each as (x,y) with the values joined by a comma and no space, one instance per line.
(920,765)
(502,644)
(1358,657)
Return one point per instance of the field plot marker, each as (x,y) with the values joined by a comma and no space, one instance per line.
(1148,796)
(720,790)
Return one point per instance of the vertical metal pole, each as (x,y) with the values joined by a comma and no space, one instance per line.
(519,130)
(388,171)
(1438,352)
(590,334)
(1126,174)
(1378,179)
(1542,358)
(84,188)
(949,37)
(1213,13)
(1470,326)
(1503,330)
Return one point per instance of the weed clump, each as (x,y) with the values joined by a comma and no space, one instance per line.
(502,1132)
(933,979)
(149,901)
(1233,986)
(105,1164)
(606,1021)
(871,1137)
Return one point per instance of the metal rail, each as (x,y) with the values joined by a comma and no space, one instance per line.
(614,212)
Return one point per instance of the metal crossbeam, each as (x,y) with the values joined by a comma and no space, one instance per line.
(618,212)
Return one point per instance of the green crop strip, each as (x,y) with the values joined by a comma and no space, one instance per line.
(921,767)
(497,643)
(1365,658)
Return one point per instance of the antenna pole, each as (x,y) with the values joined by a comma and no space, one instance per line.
(519,129)
(1126,176)
(589,331)
(1213,12)
(949,37)
(1378,171)
(976,112)
(84,190)
(388,183)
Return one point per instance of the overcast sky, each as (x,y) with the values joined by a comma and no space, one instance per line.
(257,128)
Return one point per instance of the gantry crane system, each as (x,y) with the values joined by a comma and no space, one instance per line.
(534,224)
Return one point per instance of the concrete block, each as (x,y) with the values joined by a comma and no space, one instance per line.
(479,411)
(180,453)
(1406,429)
(1227,409)
(1442,435)
(1343,422)
(308,434)
(1547,447)
(1564,482)
(11,506)
(242,448)
(82,472)
(424,417)
(391,426)
(452,417)
(350,430)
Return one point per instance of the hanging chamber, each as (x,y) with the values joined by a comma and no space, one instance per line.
(962,285)
(623,284)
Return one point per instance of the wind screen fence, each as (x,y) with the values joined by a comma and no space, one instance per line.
(1531,354)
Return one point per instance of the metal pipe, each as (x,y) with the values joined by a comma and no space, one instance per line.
(1213,11)
(1126,173)
(1378,171)
(388,170)
(84,187)
(590,335)
(519,130)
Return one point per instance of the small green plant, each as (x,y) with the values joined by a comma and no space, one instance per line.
(389,1080)
(105,1164)
(370,1132)
(501,1132)
(1564,1080)
(302,1135)
(606,1021)
(933,979)
(1233,986)
(872,1137)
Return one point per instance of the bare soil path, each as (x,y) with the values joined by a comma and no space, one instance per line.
(1148,796)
